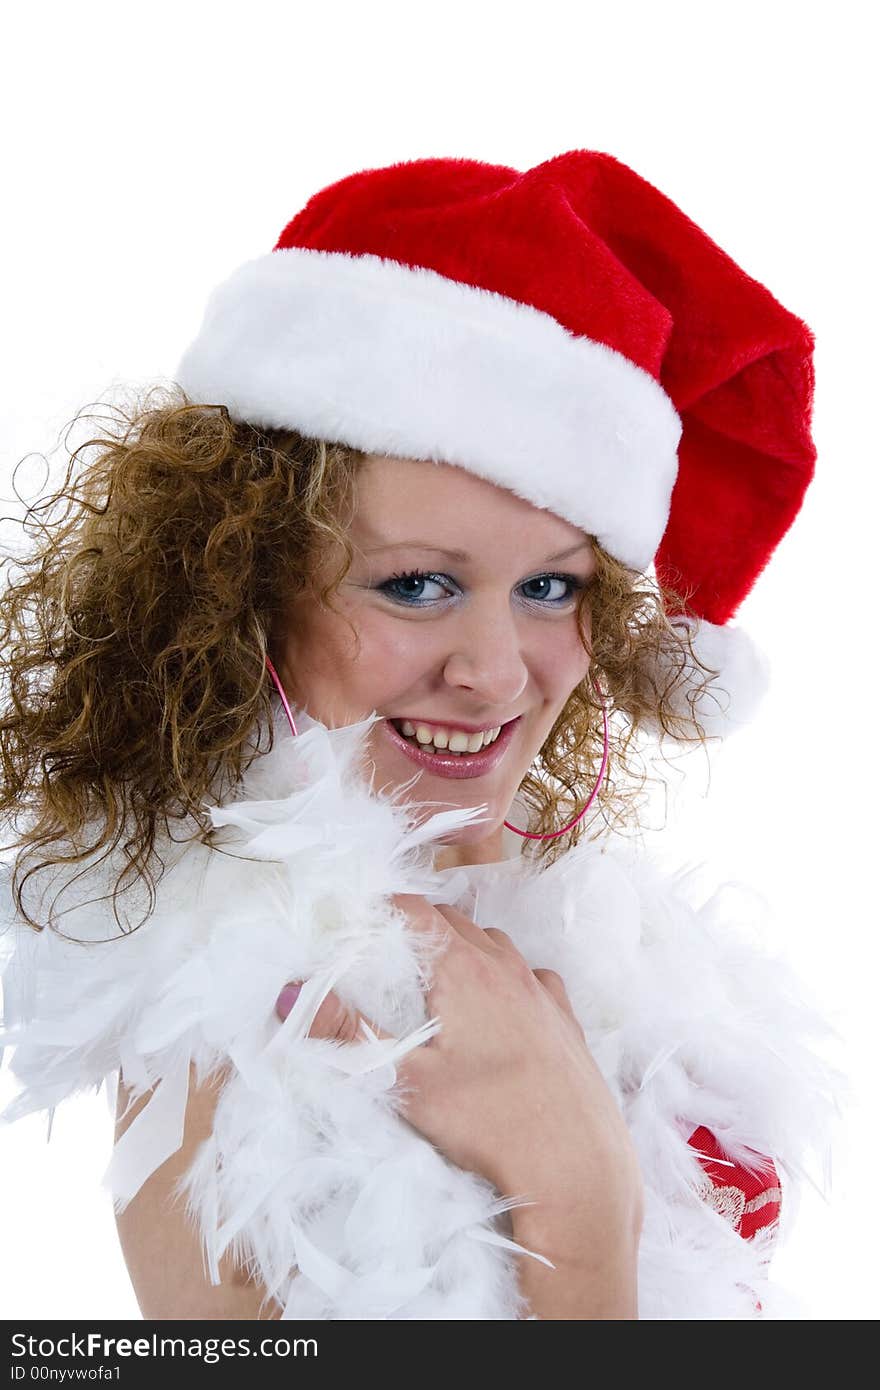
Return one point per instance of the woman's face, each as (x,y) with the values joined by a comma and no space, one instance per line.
(484,634)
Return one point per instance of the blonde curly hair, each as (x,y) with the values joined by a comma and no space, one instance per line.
(135,635)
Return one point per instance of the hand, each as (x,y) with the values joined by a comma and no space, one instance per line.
(508,1088)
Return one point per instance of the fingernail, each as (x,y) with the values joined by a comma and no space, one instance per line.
(286,999)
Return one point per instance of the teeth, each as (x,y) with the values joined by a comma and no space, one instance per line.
(447,740)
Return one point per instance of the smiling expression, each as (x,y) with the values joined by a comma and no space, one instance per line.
(464,601)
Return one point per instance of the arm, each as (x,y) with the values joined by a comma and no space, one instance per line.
(595,1252)
(583,1286)
(163,1251)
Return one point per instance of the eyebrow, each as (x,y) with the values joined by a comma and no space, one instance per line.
(462,555)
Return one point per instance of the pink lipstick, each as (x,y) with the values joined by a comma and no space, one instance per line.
(447,764)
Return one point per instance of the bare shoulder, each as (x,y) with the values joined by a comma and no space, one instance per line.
(162,1248)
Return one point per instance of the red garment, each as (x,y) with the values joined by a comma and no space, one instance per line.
(749,1200)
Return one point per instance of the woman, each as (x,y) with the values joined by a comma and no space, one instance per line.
(375,1061)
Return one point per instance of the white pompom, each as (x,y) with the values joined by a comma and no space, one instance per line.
(733,697)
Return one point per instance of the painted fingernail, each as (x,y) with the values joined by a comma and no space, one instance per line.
(286,999)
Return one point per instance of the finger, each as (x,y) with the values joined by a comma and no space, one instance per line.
(443,920)
(335,1020)
(465,927)
(422,915)
(555,986)
(484,937)
(501,938)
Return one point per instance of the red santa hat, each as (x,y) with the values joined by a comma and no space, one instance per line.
(567,333)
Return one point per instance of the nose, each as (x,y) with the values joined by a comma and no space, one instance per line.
(486,657)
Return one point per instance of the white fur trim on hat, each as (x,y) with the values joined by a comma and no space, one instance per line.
(400,360)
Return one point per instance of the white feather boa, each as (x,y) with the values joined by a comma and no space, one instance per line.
(311,1176)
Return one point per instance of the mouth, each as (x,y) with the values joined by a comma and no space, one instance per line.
(454,764)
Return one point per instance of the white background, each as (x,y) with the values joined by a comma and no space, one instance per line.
(150,149)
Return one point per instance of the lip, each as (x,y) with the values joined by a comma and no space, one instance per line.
(447,764)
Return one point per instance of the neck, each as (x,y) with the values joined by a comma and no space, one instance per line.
(487,851)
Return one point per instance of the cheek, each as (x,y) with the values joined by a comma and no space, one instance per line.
(394,653)
(386,655)
(580,657)
(319,651)
(564,663)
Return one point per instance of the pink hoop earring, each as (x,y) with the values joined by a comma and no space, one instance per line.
(551,835)
(527,834)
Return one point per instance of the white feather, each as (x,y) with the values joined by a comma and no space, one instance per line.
(311,1176)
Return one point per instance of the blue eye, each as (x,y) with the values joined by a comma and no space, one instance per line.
(420,577)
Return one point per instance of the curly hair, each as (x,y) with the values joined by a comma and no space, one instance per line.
(135,634)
